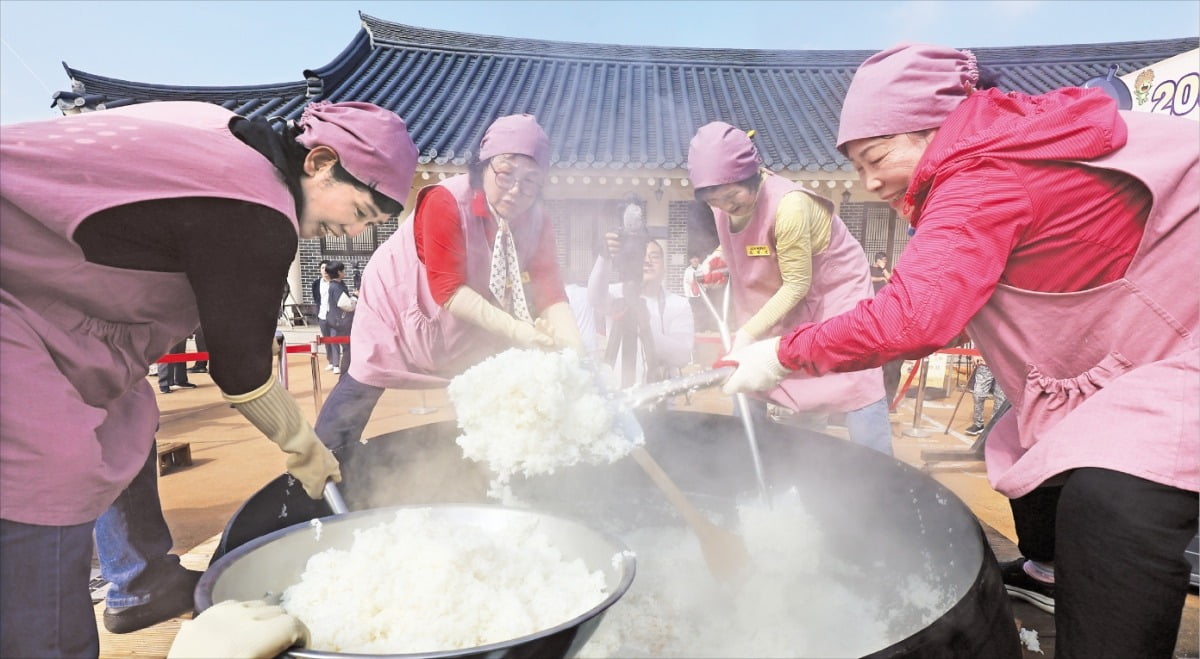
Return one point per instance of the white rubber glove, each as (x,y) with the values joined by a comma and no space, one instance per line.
(560,321)
(741,339)
(274,412)
(758,367)
(238,630)
(469,306)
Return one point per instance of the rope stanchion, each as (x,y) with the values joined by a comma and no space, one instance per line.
(918,407)
(314,362)
(282,357)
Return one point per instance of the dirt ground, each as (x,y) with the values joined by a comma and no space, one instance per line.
(231,461)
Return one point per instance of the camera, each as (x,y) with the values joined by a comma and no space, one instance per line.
(634,235)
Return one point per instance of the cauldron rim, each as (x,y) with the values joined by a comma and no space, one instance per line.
(626,571)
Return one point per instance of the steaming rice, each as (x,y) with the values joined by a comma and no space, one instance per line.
(530,412)
(792,599)
(418,584)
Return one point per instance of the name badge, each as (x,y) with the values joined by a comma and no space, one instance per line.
(524,276)
(758,250)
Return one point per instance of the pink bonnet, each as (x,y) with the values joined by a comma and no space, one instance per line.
(906,88)
(372,143)
(719,154)
(516,133)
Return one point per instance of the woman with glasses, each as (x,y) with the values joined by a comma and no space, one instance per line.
(473,273)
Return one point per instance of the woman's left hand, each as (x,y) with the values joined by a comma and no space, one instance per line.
(740,340)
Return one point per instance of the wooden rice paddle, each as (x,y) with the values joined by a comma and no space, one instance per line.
(724,551)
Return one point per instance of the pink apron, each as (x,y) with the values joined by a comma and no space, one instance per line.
(402,337)
(840,279)
(1109,377)
(77,415)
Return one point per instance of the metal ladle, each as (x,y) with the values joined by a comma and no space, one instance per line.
(742,402)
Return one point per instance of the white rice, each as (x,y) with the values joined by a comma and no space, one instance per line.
(788,602)
(1029,638)
(419,584)
(531,412)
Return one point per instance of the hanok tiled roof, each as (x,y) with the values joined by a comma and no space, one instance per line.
(607,106)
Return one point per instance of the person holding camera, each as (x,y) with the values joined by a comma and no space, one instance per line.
(471,274)
(664,340)
(790,260)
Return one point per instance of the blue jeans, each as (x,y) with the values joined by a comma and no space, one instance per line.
(346,412)
(45,606)
(132,540)
(869,426)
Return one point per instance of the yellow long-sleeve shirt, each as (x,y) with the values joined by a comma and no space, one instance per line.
(802,227)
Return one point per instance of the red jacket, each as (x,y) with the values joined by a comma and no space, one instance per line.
(992,204)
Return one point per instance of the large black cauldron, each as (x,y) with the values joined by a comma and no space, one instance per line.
(877,513)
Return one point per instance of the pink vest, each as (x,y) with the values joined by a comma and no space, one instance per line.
(1109,377)
(78,416)
(840,279)
(402,337)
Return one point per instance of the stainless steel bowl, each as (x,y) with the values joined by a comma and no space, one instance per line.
(264,567)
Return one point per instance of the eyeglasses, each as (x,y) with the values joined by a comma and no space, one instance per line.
(507,181)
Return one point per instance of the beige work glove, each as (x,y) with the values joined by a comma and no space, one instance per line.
(274,412)
(471,307)
(238,630)
(562,327)
(758,367)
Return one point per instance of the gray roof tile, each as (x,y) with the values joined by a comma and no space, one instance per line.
(610,106)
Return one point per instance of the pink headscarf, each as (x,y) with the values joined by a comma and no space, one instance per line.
(516,133)
(906,88)
(372,143)
(719,154)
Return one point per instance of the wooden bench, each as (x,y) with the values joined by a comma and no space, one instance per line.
(172,455)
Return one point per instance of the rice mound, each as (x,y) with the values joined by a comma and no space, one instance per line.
(531,412)
(419,584)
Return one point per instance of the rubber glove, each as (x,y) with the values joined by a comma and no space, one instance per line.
(240,630)
(469,306)
(560,321)
(714,271)
(741,339)
(274,412)
(758,367)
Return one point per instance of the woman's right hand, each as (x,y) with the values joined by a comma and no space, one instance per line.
(538,335)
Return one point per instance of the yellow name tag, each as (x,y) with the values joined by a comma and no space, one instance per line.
(525,277)
(758,250)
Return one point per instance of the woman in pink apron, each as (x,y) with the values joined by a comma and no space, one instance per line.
(472,273)
(120,232)
(1062,234)
(791,261)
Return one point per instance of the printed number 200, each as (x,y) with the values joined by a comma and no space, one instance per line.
(1178,97)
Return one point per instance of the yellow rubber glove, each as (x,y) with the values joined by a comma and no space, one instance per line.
(560,321)
(238,630)
(470,306)
(758,368)
(274,412)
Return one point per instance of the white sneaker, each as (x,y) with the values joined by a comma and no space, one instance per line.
(330,367)
(336,370)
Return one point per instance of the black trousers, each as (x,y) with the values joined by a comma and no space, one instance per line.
(1117,542)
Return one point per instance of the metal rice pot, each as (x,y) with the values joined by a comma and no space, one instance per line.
(888,520)
(264,567)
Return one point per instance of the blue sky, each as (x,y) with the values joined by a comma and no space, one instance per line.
(241,43)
